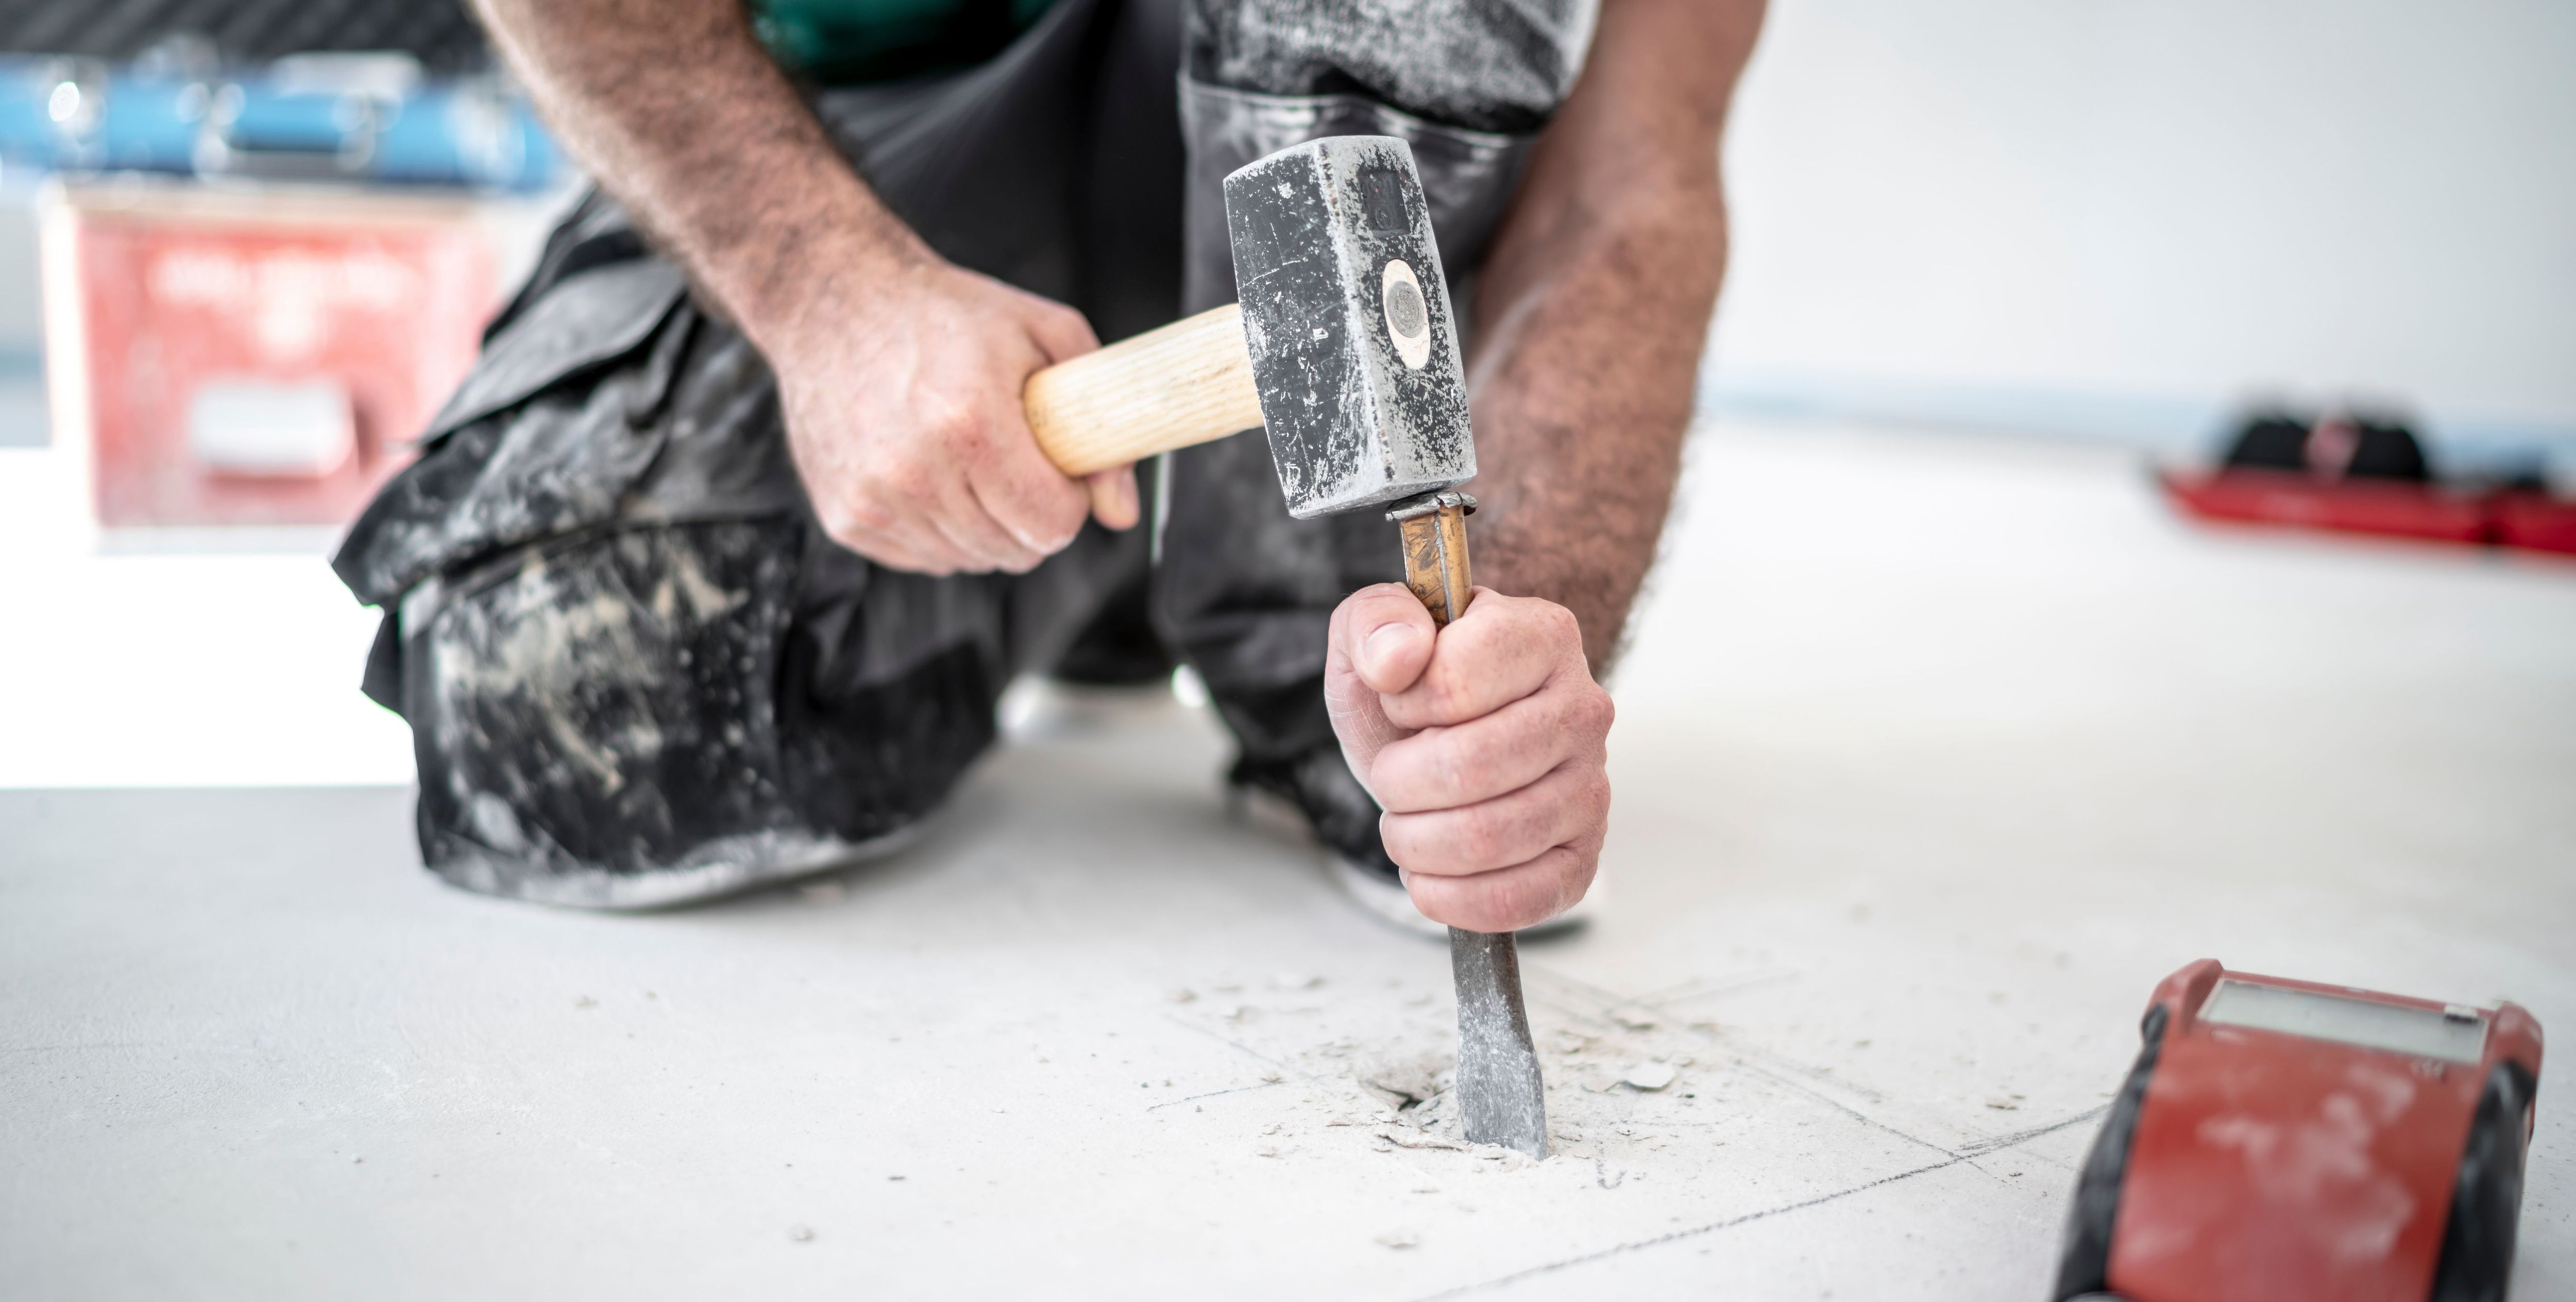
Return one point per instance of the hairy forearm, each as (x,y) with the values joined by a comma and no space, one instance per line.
(681,115)
(1594,311)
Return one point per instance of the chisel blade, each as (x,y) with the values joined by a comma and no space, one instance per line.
(1501,1098)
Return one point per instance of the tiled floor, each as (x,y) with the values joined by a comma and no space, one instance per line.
(1934,755)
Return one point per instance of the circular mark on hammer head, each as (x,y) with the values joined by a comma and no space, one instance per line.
(1408,318)
(1404,311)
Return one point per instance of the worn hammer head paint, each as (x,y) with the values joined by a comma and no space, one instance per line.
(1346,317)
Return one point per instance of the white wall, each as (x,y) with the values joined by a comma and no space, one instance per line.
(2171,200)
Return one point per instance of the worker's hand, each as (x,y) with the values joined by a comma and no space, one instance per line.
(903,412)
(1485,742)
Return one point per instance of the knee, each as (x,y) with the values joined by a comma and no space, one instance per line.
(601,705)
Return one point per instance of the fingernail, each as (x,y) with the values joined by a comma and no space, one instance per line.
(1387,639)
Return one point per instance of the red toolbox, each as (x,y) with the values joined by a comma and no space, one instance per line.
(2288,497)
(221,357)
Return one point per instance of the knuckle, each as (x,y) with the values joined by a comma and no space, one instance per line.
(853,522)
(1395,833)
(1395,783)
(1593,713)
(1451,777)
(1559,622)
(1446,695)
(1593,798)
(952,424)
(1481,838)
(906,479)
(1060,518)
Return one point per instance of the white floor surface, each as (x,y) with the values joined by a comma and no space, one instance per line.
(1934,755)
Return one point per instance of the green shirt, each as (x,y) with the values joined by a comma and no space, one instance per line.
(841,42)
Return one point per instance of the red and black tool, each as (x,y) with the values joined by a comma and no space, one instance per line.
(2284,1141)
(2363,473)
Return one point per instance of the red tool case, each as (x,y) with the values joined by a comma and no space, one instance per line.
(2284,1141)
(2288,497)
(2356,471)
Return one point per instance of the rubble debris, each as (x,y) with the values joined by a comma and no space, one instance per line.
(1634,1017)
(1415,1078)
(1295,981)
(1650,1076)
(1422,1139)
(1400,1239)
(800,1233)
(585,1002)
(1180,994)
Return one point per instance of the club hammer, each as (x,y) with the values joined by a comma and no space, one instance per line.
(1344,349)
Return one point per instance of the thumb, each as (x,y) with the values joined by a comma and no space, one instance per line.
(1380,642)
(1387,635)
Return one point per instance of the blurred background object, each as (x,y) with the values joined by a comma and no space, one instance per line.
(246,248)
(225,357)
(2364,470)
(294,197)
(2115,221)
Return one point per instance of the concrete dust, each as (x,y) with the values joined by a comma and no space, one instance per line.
(1413,1078)
(1380,1068)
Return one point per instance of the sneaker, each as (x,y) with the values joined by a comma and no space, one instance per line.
(1051,709)
(1316,795)
(1382,896)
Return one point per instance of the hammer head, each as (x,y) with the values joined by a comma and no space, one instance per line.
(1346,317)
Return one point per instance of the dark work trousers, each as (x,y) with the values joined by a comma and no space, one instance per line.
(638,674)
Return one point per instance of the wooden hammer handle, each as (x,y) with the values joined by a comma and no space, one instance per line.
(1186,383)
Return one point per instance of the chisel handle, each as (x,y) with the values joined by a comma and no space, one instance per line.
(1435,552)
(1186,383)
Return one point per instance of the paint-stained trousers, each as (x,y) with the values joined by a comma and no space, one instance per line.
(638,674)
